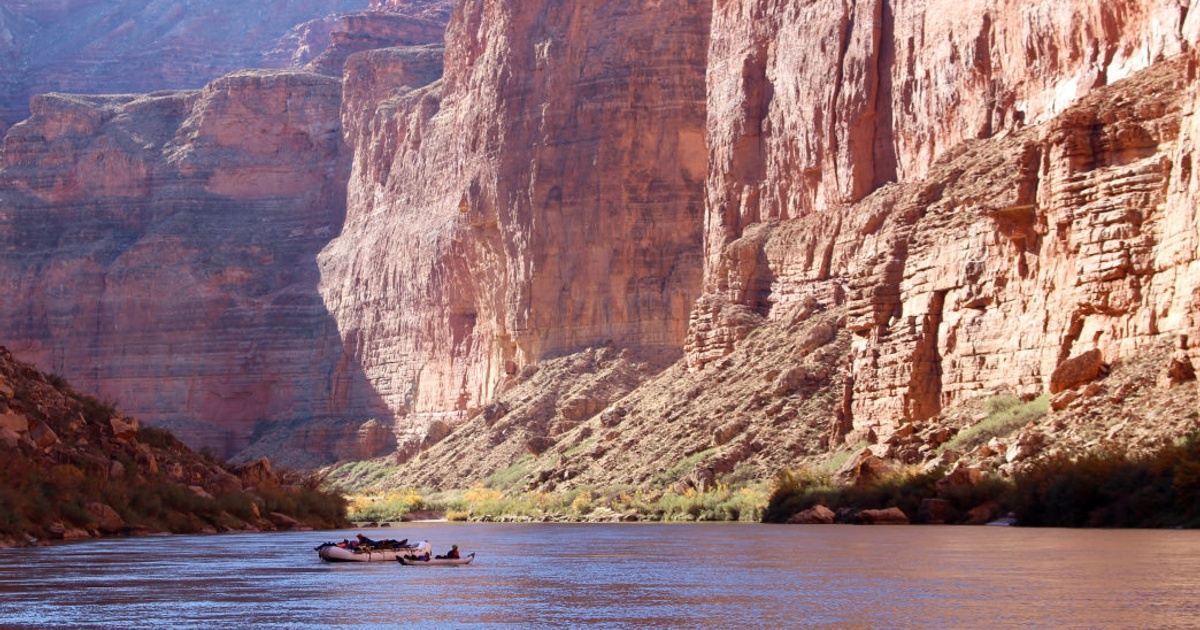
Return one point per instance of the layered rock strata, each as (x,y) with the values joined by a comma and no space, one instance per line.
(164,246)
(1076,237)
(544,196)
(93,47)
(1056,259)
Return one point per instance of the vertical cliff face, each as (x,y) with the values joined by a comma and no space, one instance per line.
(164,246)
(910,207)
(1075,239)
(545,196)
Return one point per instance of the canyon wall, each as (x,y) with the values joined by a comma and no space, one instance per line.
(545,196)
(1086,244)
(118,46)
(911,207)
(828,219)
(163,248)
(164,245)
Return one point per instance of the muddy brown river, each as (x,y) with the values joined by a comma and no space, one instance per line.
(622,576)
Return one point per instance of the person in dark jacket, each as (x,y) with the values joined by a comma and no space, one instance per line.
(450,555)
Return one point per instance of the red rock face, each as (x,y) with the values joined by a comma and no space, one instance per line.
(164,250)
(544,197)
(117,46)
(663,177)
(1074,230)
(360,32)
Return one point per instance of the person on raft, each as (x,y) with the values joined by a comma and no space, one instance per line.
(450,555)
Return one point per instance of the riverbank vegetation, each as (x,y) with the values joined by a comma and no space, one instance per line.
(1102,489)
(483,503)
(78,498)
(73,467)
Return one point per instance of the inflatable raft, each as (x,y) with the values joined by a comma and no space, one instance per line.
(437,562)
(334,553)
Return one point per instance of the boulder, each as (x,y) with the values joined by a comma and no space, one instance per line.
(725,433)
(124,428)
(940,436)
(14,422)
(223,482)
(612,416)
(116,470)
(494,412)
(983,513)
(1062,400)
(283,521)
(1026,446)
(945,459)
(538,444)
(42,435)
(864,469)
(104,518)
(887,516)
(200,492)
(789,381)
(258,473)
(816,515)
(960,477)
(74,533)
(1077,371)
(9,439)
(580,408)
(937,511)
(1180,369)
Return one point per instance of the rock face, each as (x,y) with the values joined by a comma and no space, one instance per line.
(107,476)
(842,219)
(544,197)
(990,262)
(432,10)
(982,192)
(140,46)
(360,32)
(165,248)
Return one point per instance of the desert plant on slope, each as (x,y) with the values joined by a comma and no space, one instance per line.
(1005,414)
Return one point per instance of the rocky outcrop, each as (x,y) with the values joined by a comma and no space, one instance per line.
(432,10)
(164,247)
(967,266)
(544,197)
(360,32)
(74,467)
(853,221)
(974,201)
(91,47)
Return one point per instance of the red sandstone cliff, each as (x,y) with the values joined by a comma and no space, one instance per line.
(909,208)
(140,46)
(545,196)
(163,248)
(840,217)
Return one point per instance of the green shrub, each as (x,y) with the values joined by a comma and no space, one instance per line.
(1005,415)
(159,438)
(96,411)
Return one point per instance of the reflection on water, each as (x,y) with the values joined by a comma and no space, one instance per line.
(622,576)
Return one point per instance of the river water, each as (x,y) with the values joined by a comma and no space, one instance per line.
(633,575)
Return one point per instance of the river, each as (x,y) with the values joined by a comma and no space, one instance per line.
(633,575)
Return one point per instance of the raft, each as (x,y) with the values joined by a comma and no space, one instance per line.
(333,553)
(437,562)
